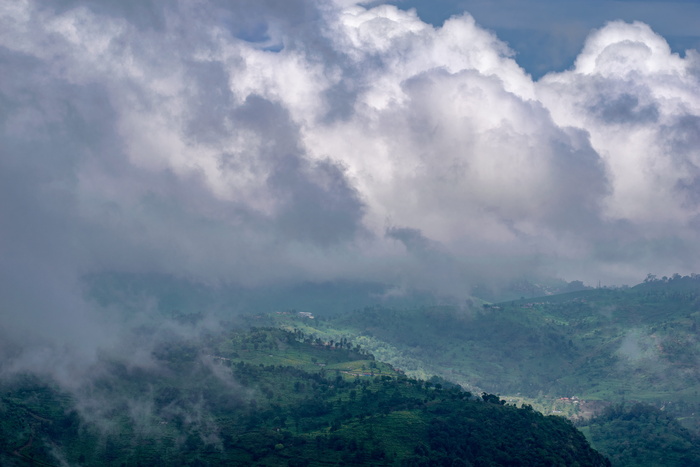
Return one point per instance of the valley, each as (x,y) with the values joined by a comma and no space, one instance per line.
(383,384)
(273,397)
(637,343)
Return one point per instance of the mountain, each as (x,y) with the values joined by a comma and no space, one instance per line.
(271,397)
(600,345)
(574,354)
(639,434)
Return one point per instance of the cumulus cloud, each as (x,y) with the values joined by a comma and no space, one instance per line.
(272,142)
(639,104)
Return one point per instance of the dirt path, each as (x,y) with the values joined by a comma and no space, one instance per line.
(18,451)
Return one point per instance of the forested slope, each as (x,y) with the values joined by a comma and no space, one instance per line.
(639,434)
(603,344)
(268,397)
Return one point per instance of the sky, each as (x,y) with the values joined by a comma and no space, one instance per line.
(271,142)
(547,35)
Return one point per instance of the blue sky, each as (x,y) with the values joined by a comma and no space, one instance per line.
(548,34)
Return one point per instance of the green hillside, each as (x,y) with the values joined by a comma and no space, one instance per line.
(572,354)
(639,434)
(636,343)
(270,397)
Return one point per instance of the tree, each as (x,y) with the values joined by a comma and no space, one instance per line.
(492,398)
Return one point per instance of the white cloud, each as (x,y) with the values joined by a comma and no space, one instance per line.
(636,99)
(173,139)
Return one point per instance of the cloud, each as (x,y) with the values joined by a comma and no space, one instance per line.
(547,35)
(268,143)
(638,102)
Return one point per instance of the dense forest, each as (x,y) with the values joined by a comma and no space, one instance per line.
(598,344)
(270,397)
(640,434)
(309,384)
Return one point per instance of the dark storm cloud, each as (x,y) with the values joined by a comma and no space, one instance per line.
(319,206)
(314,201)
